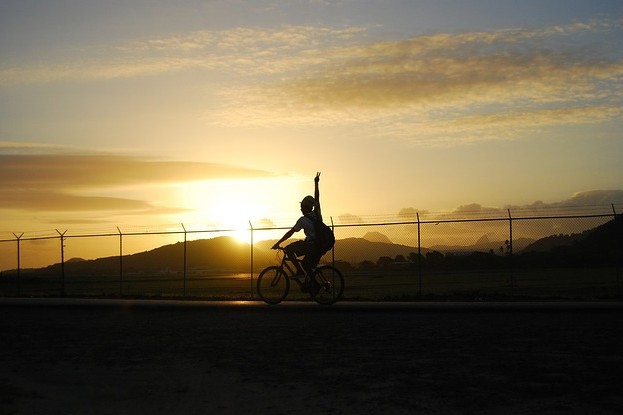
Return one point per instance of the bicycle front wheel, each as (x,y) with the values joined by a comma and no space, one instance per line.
(273,285)
(327,285)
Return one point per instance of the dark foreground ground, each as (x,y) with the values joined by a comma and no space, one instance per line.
(118,358)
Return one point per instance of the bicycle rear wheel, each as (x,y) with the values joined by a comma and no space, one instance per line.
(273,285)
(327,285)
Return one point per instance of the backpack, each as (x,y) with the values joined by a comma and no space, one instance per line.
(325,239)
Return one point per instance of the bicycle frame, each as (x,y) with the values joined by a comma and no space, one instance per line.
(289,269)
(324,284)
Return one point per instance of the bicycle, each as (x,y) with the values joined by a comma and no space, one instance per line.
(325,284)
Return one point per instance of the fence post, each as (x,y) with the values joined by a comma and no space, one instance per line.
(333,248)
(120,262)
(510,249)
(251,230)
(617,247)
(18,238)
(62,235)
(419,256)
(184,270)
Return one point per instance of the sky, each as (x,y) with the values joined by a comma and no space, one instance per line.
(216,113)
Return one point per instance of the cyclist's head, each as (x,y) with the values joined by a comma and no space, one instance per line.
(307,204)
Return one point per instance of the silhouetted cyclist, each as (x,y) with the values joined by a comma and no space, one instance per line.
(310,207)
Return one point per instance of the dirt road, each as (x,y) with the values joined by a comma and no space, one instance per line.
(230,359)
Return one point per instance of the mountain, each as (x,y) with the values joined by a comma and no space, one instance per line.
(602,246)
(217,255)
(360,249)
(221,254)
(376,237)
(484,244)
(606,238)
(546,244)
(228,255)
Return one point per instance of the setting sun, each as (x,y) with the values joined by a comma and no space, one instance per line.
(236,205)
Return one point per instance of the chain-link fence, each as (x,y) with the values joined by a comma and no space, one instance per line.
(572,252)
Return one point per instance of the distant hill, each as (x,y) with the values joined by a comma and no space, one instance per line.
(605,238)
(377,237)
(228,255)
(602,246)
(552,241)
(217,255)
(484,244)
(360,249)
(221,254)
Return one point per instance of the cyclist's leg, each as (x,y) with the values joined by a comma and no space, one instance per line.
(312,258)
(310,262)
(294,250)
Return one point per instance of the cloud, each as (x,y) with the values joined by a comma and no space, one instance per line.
(335,57)
(590,198)
(601,200)
(264,223)
(585,200)
(468,223)
(452,81)
(242,51)
(408,214)
(19,147)
(443,88)
(596,197)
(57,201)
(446,87)
(349,218)
(71,171)
(470,208)
(60,182)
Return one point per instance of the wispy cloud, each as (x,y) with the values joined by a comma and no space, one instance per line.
(592,202)
(441,88)
(335,53)
(241,51)
(479,84)
(77,182)
(499,125)
(589,199)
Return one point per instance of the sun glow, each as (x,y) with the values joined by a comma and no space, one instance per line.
(231,206)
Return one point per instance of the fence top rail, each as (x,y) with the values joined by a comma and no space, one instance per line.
(24,237)
(493,219)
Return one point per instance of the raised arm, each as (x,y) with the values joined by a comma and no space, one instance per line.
(317,196)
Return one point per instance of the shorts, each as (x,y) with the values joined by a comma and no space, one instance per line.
(306,249)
